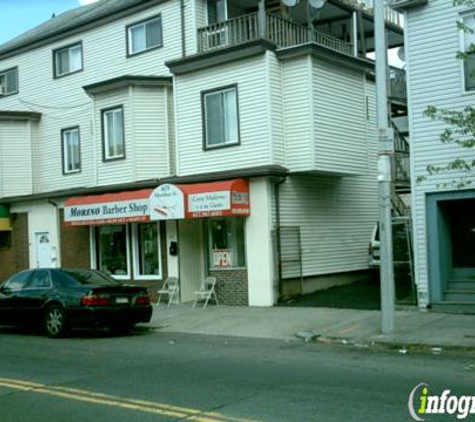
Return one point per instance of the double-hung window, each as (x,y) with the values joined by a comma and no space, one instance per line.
(145,35)
(67,60)
(469,52)
(220,117)
(71,150)
(113,133)
(9,81)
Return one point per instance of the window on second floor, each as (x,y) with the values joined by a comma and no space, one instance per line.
(113,133)
(67,60)
(220,117)
(71,150)
(9,81)
(469,49)
(144,35)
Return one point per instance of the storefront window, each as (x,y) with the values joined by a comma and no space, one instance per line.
(147,250)
(226,242)
(112,250)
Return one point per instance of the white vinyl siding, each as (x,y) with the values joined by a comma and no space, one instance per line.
(71,150)
(255,143)
(144,36)
(68,60)
(436,78)
(63,102)
(15,158)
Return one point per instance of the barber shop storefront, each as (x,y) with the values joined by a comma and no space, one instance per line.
(185,230)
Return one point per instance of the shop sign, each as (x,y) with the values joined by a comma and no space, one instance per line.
(222,258)
(167,203)
(209,202)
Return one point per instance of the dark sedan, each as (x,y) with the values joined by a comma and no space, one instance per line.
(61,298)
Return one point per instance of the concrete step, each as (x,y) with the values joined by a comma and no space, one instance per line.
(454,307)
(459,295)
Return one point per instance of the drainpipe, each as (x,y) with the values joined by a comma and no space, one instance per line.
(183,34)
(278,243)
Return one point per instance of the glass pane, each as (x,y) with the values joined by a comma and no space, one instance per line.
(62,62)
(469,70)
(148,249)
(137,38)
(11,81)
(221,10)
(154,33)
(226,242)
(118,133)
(214,119)
(39,280)
(231,117)
(212,8)
(87,277)
(109,135)
(112,241)
(75,162)
(18,281)
(75,58)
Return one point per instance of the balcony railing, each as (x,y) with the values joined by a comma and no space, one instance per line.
(281,32)
(367,6)
(401,170)
(397,84)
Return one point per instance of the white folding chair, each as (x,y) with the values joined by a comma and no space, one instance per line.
(206,292)
(169,288)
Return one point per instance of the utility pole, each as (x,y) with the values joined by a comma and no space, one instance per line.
(385,153)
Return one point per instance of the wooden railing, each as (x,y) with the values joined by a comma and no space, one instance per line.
(397,84)
(281,32)
(367,6)
(401,169)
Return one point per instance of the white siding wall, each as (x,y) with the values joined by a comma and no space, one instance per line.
(63,102)
(276,107)
(339,117)
(255,148)
(15,158)
(435,78)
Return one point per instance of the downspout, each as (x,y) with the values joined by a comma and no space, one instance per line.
(278,242)
(183,33)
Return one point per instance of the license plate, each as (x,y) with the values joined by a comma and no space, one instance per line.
(121,300)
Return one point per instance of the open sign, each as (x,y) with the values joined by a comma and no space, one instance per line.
(222,258)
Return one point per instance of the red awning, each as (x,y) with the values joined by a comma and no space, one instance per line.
(167,202)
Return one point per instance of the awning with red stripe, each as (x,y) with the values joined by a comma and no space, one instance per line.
(166,202)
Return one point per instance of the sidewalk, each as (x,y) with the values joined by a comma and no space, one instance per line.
(413,328)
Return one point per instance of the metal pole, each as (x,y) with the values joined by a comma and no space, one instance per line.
(385,151)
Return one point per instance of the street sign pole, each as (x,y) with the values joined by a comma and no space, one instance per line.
(385,152)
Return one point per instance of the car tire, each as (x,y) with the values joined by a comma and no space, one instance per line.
(55,321)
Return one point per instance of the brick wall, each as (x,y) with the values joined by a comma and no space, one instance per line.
(231,287)
(16,257)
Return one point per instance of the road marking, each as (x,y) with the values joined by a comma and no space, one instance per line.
(122,402)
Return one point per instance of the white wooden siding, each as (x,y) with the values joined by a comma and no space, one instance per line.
(255,148)
(276,107)
(63,102)
(435,78)
(15,158)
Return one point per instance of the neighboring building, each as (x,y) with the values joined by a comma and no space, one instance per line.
(158,138)
(443,215)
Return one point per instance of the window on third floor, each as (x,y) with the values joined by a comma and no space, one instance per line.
(113,133)
(67,60)
(144,35)
(220,117)
(71,150)
(9,81)
(469,50)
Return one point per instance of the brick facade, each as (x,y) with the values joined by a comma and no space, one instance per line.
(16,257)
(231,287)
(76,252)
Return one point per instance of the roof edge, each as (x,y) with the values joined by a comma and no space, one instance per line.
(126,80)
(19,115)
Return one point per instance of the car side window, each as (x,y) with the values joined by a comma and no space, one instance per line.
(40,280)
(18,281)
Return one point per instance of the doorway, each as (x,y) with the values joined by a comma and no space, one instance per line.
(44,257)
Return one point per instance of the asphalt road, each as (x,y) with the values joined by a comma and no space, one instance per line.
(150,376)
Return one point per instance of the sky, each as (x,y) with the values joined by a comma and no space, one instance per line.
(18,16)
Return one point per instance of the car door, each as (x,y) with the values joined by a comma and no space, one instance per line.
(10,309)
(34,295)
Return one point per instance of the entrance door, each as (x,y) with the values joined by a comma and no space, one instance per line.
(44,258)
(191,252)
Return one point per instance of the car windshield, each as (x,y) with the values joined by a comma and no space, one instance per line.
(89,278)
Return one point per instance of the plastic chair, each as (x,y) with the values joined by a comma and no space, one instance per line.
(206,292)
(170,288)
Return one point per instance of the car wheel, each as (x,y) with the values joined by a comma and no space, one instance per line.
(55,321)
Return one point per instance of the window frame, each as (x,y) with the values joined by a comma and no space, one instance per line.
(128,35)
(104,111)
(204,93)
(56,74)
(3,74)
(63,150)
(136,251)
